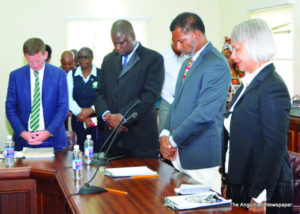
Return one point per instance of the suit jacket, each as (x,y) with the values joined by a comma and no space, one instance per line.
(141,79)
(54,101)
(258,134)
(196,116)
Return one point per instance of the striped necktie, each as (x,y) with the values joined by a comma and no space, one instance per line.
(35,110)
(187,68)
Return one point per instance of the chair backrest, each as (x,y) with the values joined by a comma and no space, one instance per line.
(72,139)
(295,163)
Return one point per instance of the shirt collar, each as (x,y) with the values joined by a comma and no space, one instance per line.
(249,77)
(78,71)
(40,71)
(199,52)
(130,55)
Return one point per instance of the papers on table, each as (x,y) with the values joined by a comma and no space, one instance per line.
(128,171)
(188,189)
(206,199)
(43,152)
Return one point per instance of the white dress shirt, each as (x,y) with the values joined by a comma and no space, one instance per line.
(32,85)
(172,64)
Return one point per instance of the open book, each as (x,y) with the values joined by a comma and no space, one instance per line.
(206,199)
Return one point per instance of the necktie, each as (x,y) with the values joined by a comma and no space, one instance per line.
(35,110)
(125,61)
(187,68)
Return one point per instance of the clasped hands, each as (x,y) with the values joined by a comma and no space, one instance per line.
(166,149)
(113,120)
(84,116)
(35,138)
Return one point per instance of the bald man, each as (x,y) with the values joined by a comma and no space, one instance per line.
(67,61)
(67,64)
(130,73)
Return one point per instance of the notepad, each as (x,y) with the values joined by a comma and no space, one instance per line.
(189,189)
(128,171)
(184,202)
(43,152)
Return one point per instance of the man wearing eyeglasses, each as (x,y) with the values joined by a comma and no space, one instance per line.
(37,102)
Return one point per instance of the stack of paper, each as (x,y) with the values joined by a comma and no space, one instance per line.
(188,189)
(184,202)
(128,171)
(44,152)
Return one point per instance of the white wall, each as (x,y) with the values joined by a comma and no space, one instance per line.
(297,47)
(20,20)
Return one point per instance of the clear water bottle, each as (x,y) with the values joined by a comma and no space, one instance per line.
(77,163)
(88,150)
(9,152)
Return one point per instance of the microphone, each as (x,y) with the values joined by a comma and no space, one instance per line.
(102,160)
(132,116)
(137,102)
(87,188)
(123,121)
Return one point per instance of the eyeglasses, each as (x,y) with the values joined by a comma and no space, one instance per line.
(84,57)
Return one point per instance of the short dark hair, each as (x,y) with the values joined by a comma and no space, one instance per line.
(122,26)
(49,50)
(33,46)
(187,22)
(87,50)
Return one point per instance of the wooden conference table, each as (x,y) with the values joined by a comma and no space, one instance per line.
(46,186)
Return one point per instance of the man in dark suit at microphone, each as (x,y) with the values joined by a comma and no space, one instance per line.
(130,82)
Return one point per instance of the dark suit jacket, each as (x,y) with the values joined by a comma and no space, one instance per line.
(118,89)
(54,101)
(197,113)
(258,134)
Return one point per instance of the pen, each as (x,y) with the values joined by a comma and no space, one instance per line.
(144,176)
(116,191)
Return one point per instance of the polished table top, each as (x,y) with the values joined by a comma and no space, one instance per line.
(144,195)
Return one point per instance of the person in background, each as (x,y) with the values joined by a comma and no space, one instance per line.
(67,61)
(76,62)
(236,74)
(173,60)
(192,134)
(49,50)
(67,64)
(257,163)
(37,102)
(130,74)
(82,83)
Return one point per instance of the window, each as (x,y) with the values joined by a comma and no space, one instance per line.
(95,34)
(280,19)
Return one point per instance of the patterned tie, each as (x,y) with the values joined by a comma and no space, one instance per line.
(187,68)
(35,110)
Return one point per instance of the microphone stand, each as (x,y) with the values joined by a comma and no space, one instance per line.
(102,161)
(87,188)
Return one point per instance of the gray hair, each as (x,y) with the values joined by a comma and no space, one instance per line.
(257,37)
